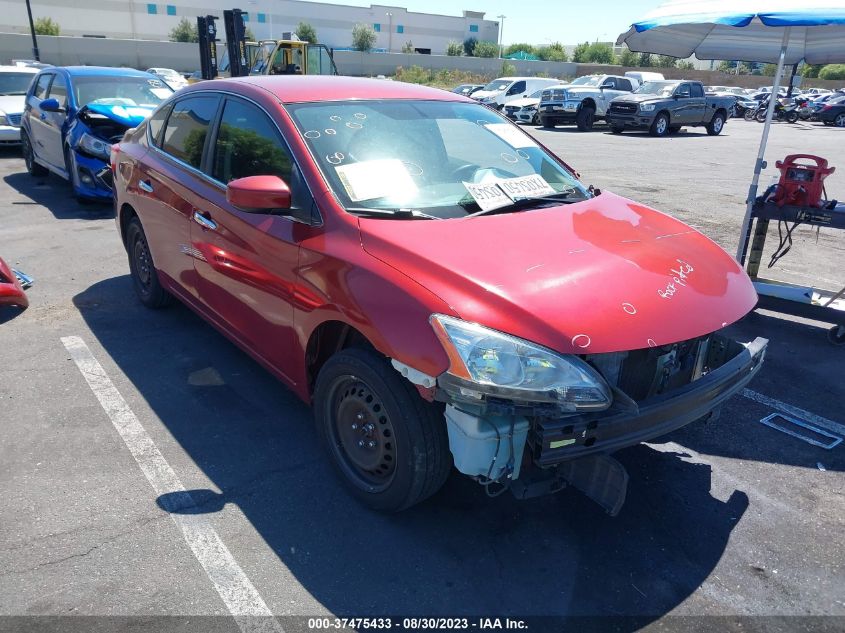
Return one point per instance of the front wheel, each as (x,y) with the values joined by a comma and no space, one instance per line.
(547,123)
(617,129)
(142,269)
(660,125)
(388,445)
(839,121)
(714,128)
(749,114)
(791,117)
(585,118)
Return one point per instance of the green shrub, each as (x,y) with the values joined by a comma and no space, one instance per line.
(554,52)
(579,55)
(832,71)
(486,49)
(515,48)
(46,26)
(628,58)
(454,49)
(363,37)
(666,61)
(600,53)
(508,69)
(469,46)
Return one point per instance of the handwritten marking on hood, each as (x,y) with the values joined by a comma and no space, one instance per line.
(581,340)
(528,270)
(660,237)
(679,275)
(629,308)
(651,342)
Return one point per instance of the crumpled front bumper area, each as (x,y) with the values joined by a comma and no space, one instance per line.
(93,178)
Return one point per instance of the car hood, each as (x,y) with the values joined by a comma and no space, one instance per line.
(635,98)
(130,116)
(485,94)
(521,103)
(602,275)
(12,104)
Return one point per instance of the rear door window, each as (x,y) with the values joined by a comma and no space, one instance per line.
(187,128)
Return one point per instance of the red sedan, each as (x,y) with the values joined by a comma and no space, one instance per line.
(440,287)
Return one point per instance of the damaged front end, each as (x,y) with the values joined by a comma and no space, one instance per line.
(12,285)
(91,134)
(525,418)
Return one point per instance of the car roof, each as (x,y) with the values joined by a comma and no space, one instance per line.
(19,69)
(100,71)
(316,88)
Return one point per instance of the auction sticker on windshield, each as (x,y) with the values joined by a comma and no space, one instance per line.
(499,193)
(511,135)
(386,178)
(488,195)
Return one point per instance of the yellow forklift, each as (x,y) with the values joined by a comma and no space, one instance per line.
(288,56)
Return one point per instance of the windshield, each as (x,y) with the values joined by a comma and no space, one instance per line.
(661,88)
(15,83)
(441,158)
(498,84)
(127,91)
(167,73)
(589,80)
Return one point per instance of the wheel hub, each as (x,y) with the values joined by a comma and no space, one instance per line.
(364,433)
(142,262)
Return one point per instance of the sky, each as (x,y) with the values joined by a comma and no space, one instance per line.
(539,21)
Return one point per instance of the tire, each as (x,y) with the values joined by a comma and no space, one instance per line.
(142,268)
(750,114)
(839,121)
(660,125)
(791,117)
(828,123)
(674,129)
(717,124)
(535,120)
(34,169)
(584,118)
(547,123)
(836,335)
(359,398)
(617,129)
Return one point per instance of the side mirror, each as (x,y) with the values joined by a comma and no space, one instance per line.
(258,194)
(51,105)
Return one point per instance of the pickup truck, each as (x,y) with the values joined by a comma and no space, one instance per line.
(663,107)
(583,101)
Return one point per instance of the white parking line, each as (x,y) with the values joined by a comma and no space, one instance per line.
(238,593)
(818,420)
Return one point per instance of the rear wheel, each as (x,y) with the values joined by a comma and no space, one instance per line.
(547,123)
(660,125)
(717,123)
(791,117)
(388,445)
(749,114)
(142,268)
(32,167)
(585,118)
(839,121)
(617,129)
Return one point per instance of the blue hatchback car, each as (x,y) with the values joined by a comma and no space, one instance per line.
(73,115)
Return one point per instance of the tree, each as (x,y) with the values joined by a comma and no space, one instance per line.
(554,52)
(515,48)
(832,71)
(408,47)
(600,53)
(469,46)
(184,32)
(628,57)
(486,49)
(686,65)
(726,67)
(306,32)
(363,37)
(454,49)
(811,71)
(579,55)
(769,70)
(46,26)
(666,61)
(644,61)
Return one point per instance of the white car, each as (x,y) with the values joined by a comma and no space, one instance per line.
(525,110)
(503,90)
(14,83)
(170,77)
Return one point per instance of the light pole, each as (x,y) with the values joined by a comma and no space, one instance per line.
(32,30)
(389,32)
(501,30)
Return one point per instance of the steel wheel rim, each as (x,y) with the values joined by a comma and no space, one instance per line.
(143,263)
(362,435)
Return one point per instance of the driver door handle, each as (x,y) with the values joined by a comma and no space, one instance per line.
(145,185)
(205,221)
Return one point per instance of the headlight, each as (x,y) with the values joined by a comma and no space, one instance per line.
(94,146)
(509,367)
(646,107)
(529,108)
(3,119)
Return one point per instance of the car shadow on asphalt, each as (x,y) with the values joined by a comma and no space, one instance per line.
(459,552)
(56,196)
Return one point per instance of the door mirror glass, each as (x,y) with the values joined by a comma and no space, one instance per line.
(51,105)
(258,193)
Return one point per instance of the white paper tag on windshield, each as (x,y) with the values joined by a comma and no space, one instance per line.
(161,93)
(511,135)
(487,195)
(387,178)
(526,187)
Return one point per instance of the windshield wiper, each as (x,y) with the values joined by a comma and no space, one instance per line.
(405,214)
(527,201)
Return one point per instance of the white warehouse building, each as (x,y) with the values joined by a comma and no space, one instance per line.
(137,19)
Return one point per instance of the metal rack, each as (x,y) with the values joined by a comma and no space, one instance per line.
(810,303)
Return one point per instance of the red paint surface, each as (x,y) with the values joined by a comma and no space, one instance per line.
(11,292)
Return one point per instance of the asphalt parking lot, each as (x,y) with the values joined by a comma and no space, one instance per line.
(729,518)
